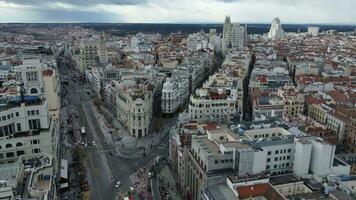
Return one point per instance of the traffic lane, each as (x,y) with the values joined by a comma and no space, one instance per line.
(99,175)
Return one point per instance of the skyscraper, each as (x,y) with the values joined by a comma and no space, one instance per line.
(276,31)
(233,35)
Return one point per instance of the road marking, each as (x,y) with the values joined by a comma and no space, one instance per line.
(96,180)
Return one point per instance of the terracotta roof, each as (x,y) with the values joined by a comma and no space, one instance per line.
(264,189)
(313,100)
(47,72)
(211,126)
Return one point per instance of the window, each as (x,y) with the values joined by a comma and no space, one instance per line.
(34,124)
(268,159)
(288,157)
(19,153)
(33,91)
(28,113)
(31,76)
(8,145)
(274,166)
(37,150)
(10,154)
(3,118)
(289,150)
(276,152)
(19,144)
(18,127)
(32,112)
(267,167)
(216,162)
(276,159)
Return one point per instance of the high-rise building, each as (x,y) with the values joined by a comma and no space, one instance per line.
(313,30)
(276,31)
(233,35)
(88,55)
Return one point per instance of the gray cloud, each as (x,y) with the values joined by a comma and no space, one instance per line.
(77,2)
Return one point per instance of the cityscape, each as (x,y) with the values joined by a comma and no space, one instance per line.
(174,109)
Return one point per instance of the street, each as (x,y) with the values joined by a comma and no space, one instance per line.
(104,167)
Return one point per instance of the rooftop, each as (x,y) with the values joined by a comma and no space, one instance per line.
(284,179)
(259,190)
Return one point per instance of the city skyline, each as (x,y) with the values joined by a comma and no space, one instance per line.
(164,11)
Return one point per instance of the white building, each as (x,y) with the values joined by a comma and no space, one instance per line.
(38,79)
(30,74)
(26,128)
(52,91)
(233,35)
(215,101)
(134,105)
(276,31)
(174,92)
(313,30)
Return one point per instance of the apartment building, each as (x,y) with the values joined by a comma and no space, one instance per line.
(293,102)
(134,105)
(27,128)
(174,92)
(268,106)
(215,101)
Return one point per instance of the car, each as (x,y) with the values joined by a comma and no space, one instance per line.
(85,145)
(94,143)
(18,197)
(118,184)
(149,175)
(132,189)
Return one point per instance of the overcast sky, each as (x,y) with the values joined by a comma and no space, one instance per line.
(179,11)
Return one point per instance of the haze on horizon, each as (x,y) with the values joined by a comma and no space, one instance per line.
(178,11)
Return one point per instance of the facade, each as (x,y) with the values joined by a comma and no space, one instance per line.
(268,106)
(174,92)
(276,31)
(313,30)
(134,106)
(293,102)
(351,135)
(215,101)
(233,35)
(52,91)
(30,74)
(26,127)
(88,55)
(215,155)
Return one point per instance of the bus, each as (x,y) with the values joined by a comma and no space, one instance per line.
(82,130)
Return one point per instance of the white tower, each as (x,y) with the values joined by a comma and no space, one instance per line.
(276,31)
(233,35)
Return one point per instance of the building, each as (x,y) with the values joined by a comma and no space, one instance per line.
(134,105)
(88,55)
(27,128)
(275,32)
(175,92)
(52,91)
(293,102)
(38,79)
(215,101)
(233,35)
(29,73)
(268,106)
(214,156)
(313,30)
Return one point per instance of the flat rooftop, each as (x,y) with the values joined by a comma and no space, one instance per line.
(284,179)
(9,171)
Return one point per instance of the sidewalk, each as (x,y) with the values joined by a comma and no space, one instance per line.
(124,144)
(169,181)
